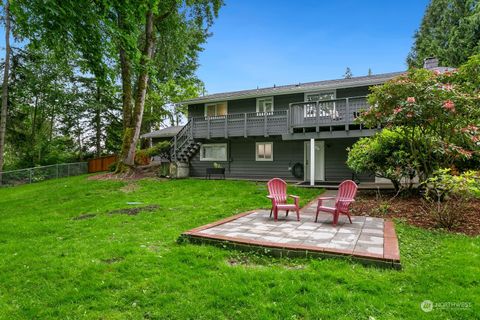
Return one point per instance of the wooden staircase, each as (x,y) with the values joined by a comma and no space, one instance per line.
(184,147)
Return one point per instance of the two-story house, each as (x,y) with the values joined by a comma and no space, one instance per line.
(296,132)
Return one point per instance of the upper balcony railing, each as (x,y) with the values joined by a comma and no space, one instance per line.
(241,125)
(315,114)
(326,113)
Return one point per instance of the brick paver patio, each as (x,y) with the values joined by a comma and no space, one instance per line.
(366,238)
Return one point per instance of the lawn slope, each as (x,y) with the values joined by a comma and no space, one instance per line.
(117,266)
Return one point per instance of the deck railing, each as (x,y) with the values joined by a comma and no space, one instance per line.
(241,125)
(314,114)
(326,113)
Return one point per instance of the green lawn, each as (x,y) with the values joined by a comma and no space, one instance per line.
(131,267)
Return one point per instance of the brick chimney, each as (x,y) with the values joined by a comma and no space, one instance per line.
(430,63)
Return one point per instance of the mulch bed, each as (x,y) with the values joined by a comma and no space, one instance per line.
(409,209)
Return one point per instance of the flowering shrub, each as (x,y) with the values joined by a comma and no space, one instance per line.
(441,111)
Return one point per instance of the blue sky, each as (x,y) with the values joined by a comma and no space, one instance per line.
(266,42)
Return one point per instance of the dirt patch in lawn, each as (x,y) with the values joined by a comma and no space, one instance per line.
(84,216)
(409,209)
(125,177)
(113,260)
(135,210)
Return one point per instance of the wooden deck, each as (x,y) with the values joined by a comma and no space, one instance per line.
(329,115)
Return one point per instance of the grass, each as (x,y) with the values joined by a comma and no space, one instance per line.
(114,266)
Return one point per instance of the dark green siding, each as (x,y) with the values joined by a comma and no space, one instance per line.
(282,102)
(352,92)
(336,154)
(242,162)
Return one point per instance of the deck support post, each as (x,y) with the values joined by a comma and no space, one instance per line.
(312,162)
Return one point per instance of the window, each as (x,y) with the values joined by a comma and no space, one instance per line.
(264,105)
(264,151)
(213,152)
(216,109)
(327,108)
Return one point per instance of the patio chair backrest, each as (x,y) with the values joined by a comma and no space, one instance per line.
(346,191)
(277,188)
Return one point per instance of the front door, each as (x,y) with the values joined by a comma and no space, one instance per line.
(319,160)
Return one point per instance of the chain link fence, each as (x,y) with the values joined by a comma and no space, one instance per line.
(37,174)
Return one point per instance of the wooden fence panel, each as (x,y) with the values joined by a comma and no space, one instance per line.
(101,164)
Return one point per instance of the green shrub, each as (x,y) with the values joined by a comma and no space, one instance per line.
(142,157)
(112,166)
(447,196)
(385,155)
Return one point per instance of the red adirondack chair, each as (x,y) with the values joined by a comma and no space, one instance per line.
(345,196)
(277,189)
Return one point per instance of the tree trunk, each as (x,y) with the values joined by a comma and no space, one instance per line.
(98,124)
(132,132)
(34,128)
(6,70)
(125,67)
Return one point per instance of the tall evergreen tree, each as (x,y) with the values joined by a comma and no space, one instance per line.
(450,31)
(348,73)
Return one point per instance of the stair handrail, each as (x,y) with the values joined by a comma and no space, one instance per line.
(185,134)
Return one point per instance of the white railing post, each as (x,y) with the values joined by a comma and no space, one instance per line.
(312,162)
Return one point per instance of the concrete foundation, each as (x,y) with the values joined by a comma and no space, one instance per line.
(179,170)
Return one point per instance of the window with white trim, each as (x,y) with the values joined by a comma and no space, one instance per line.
(327,108)
(216,109)
(213,152)
(264,151)
(264,105)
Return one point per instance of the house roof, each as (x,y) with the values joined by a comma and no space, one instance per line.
(163,133)
(297,88)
